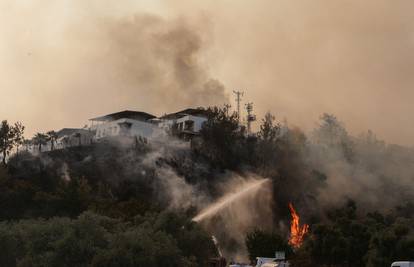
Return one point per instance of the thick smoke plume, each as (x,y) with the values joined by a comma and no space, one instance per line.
(375,175)
(104,62)
(329,167)
(295,58)
(149,57)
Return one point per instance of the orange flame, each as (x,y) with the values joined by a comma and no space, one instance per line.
(297,232)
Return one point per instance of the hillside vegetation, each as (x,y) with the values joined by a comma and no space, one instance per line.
(120,203)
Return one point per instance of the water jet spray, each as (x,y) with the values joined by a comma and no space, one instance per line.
(228,199)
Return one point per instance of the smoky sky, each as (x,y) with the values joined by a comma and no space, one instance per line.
(63,62)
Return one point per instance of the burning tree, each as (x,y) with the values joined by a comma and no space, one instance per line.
(297,232)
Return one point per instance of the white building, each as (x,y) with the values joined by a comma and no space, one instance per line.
(185,123)
(125,123)
(69,137)
(66,137)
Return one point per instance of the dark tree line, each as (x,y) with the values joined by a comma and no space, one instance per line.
(108,188)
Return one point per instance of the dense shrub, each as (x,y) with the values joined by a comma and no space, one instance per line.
(95,240)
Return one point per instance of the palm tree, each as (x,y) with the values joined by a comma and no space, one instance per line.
(52,137)
(26,144)
(18,131)
(40,139)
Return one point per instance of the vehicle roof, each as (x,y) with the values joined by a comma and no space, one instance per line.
(403,263)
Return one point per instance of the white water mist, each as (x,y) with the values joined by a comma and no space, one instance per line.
(248,188)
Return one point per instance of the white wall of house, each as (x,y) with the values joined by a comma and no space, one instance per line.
(137,128)
(166,124)
(198,122)
(72,140)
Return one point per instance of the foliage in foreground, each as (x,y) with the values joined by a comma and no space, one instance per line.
(349,239)
(94,240)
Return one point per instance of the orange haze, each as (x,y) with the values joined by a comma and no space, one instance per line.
(63,62)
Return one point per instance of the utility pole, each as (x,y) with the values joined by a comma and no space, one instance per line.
(250,117)
(238,94)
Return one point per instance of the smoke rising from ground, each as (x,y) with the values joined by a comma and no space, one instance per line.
(377,177)
(246,204)
(245,200)
(332,167)
(172,187)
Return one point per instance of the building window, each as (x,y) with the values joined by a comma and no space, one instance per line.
(125,128)
(189,125)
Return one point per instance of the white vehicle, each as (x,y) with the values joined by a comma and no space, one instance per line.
(403,264)
(271,262)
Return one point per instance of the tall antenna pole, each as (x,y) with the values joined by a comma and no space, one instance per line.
(250,117)
(238,94)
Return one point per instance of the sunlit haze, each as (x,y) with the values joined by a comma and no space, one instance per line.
(63,62)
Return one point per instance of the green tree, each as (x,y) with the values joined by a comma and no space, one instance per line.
(26,144)
(343,241)
(75,196)
(52,137)
(390,241)
(269,131)
(40,139)
(331,134)
(267,149)
(10,137)
(223,140)
(263,244)
(94,240)
(18,135)
(331,131)
(8,247)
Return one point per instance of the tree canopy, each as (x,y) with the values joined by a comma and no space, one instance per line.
(11,136)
